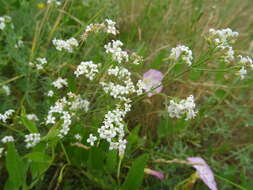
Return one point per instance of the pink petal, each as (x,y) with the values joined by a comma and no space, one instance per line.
(155,173)
(154,77)
(204,172)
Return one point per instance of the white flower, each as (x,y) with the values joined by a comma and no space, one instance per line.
(78,137)
(1,151)
(57,2)
(182,52)
(6,115)
(245,60)
(7,139)
(19,44)
(32,140)
(67,45)
(114,48)
(6,90)
(32,117)
(50,93)
(184,107)
(229,55)
(242,72)
(110,27)
(3,21)
(88,68)
(79,103)
(91,140)
(60,83)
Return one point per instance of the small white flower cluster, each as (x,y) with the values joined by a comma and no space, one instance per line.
(91,140)
(64,116)
(6,90)
(184,108)
(56,2)
(244,62)
(32,117)
(88,68)
(6,115)
(117,90)
(114,48)
(40,62)
(112,129)
(3,21)
(61,109)
(60,83)
(7,139)
(32,140)
(19,44)
(67,45)
(77,103)
(182,52)
(50,93)
(108,26)
(222,38)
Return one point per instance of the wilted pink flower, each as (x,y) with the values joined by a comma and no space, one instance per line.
(151,79)
(155,173)
(204,172)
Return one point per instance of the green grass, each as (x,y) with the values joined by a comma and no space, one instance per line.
(222,132)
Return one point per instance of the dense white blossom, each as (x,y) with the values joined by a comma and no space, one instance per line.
(78,103)
(185,107)
(60,83)
(114,48)
(39,63)
(88,68)
(182,52)
(50,93)
(32,140)
(6,115)
(67,45)
(110,27)
(7,139)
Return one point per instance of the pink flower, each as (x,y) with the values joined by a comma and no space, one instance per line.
(155,173)
(204,172)
(151,79)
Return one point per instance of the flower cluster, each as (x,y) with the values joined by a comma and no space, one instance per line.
(114,48)
(3,21)
(63,109)
(6,115)
(56,2)
(60,83)
(32,140)
(185,107)
(183,53)
(67,45)
(7,139)
(88,68)
(112,129)
(222,38)
(244,62)
(119,90)
(40,62)
(108,26)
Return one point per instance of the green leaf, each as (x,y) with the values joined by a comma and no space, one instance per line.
(30,125)
(38,157)
(136,173)
(15,166)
